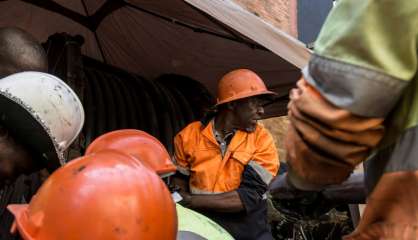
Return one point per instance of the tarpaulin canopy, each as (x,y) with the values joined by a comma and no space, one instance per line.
(202,39)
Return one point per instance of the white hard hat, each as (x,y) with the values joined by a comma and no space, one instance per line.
(42,113)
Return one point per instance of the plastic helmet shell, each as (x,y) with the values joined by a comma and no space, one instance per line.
(239,84)
(138,144)
(42,112)
(106,195)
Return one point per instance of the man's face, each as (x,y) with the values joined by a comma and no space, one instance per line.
(247,112)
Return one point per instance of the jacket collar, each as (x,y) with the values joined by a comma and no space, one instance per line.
(236,141)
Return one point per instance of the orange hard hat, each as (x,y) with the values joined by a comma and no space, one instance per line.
(107,195)
(240,83)
(138,144)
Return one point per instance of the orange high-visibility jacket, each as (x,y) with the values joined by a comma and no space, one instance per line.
(198,154)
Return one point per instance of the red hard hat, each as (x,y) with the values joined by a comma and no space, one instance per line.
(108,196)
(138,144)
(240,83)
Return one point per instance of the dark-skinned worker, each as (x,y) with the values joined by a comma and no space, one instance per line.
(151,152)
(19,51)
(358,102)
(226,162)
(107,195)
(40,118)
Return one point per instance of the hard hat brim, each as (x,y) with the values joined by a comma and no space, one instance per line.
(18,211)
(110,141)
(247,95)
(22,123)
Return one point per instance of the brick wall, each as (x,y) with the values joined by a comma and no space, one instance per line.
(280,13)
(283,15)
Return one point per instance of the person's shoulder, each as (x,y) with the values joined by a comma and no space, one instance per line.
(260,129)
(191,127)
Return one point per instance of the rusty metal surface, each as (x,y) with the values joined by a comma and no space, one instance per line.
(132,121)
(89,110)
(115,99)
(165,123)
(196,94)
(110,100)
(138,113)
(101,120)
(186,109)
(120,101)
(147,107)
(176,118)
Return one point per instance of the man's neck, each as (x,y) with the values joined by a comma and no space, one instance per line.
(223,123)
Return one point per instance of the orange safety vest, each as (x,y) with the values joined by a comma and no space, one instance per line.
(198,154)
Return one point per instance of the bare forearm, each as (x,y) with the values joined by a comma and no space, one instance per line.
(180,182)
(223,202)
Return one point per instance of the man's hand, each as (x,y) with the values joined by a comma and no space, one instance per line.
(179,183)
(187,199)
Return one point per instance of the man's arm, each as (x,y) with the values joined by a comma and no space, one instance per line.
(222,202)
(358,73)
(361,69)
(247,197)
(325,142)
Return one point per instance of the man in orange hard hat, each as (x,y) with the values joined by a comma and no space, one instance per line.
(107,195)
(225,162)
